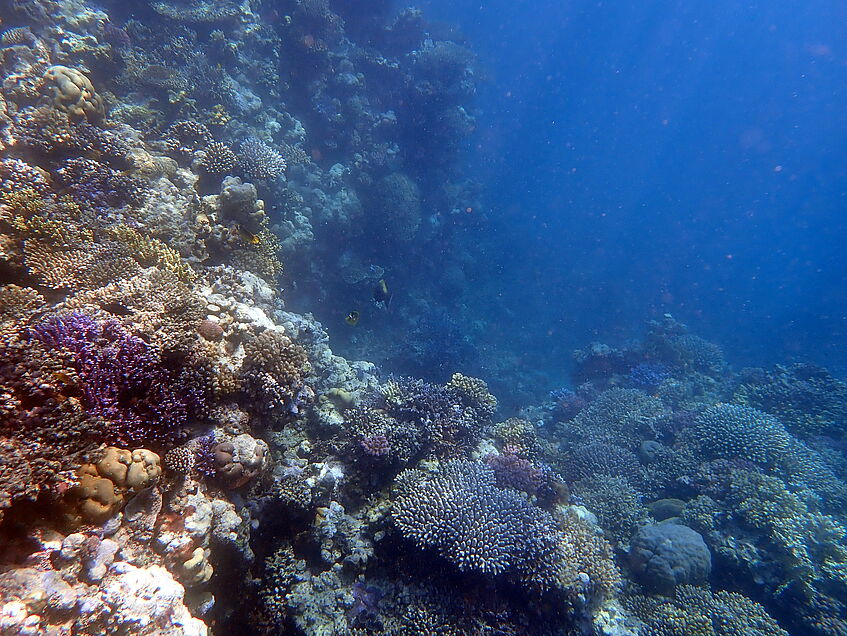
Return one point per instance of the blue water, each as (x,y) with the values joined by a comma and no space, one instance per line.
(640,158)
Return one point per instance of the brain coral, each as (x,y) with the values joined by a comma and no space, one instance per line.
(465,517)
(730,430)
(73,92)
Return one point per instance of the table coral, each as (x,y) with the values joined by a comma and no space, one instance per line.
(479,527)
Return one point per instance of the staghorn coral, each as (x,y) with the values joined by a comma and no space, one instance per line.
(417,419)
(151,252)
(589,563)
(259,255)
(466,518)
(44,432)
(647,376)
(93,183)
(518,473)
(811,548)
(17,175)
(669,342)
(50,131)
(624,417)
(519,435)
(167,309)
(197,10)
(616,503)
(19,303)
(598,458)
(123,380)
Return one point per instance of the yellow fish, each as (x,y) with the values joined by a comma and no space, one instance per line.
(352,318)
(248,237)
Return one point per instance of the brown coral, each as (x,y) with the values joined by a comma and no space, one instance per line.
(475,392)
(73,92)
(104,485)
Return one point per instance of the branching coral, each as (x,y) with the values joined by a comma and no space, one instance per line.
(150,252)
(616,503)
(811,547)
(462,514)
(623,417)
(729,430)
(94,183)
(417,419)
(475,393)
(218,159)
(274,372)
(519,435)
(694,611)
(124,381)
(257,160)
(807,399)
(185,137)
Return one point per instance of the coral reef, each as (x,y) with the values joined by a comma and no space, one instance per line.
(171,429)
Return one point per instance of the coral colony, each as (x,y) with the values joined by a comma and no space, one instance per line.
(171,432)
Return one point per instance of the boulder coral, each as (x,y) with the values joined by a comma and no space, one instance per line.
(73,92)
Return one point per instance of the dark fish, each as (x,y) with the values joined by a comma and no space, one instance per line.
(381,293)
(352,318)
(247,236)
(116,308)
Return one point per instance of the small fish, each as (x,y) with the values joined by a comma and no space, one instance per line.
(116,308)
(352,318)
(381,293)
(248,237)
(62,378)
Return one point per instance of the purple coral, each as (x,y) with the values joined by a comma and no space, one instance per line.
(204,455)
(518,473)
(566,403)
(124,380)
(376,445)
(648,375)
